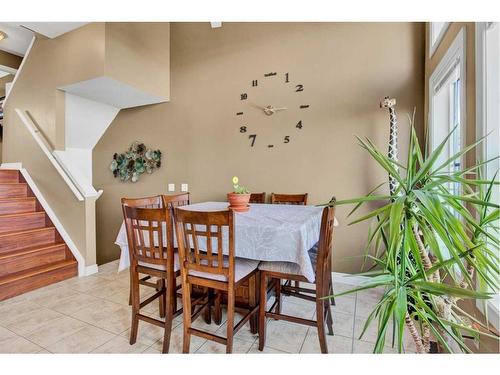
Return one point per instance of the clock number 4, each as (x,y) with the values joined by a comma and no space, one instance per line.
(299,125)
(252,137)
(243,96)
(299,88)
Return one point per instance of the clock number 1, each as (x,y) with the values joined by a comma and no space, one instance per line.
(286,78)
(252,137)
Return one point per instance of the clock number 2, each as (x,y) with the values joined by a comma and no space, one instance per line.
(252,137)
(299,88)
(299,125)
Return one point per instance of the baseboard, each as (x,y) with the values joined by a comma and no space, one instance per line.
(350,279)
(90,270)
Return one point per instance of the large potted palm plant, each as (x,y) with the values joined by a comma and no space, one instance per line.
(430,246)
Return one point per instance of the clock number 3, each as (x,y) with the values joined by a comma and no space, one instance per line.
(252,137)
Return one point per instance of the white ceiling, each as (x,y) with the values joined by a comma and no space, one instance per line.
(20,33)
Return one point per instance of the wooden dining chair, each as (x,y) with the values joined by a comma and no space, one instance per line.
(258,198)
(144,202)
(298,199)
(200,237)
(150,256)
(320,256)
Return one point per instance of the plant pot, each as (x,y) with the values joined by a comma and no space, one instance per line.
(238,202)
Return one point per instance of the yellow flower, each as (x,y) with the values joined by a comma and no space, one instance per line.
(235,180)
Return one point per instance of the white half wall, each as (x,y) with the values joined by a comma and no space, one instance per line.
(110,91)
(86,121)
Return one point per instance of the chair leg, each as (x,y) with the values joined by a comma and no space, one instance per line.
(329,319)
(186,305)
(217,308)
(134,282)
(279,299)
(262,310)
(208,310)
(332,300)
(168,317)
(320,316)
(230,319)
(160,285)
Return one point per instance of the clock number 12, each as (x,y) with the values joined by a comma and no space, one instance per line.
(252,137)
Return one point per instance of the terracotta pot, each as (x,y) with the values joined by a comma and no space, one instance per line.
(238,202)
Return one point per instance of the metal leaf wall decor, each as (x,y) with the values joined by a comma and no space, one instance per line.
(134,162)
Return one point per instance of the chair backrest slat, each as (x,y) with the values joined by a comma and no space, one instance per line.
(258,198)
(201,241)
(296,199)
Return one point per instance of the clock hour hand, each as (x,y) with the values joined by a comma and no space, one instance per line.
(280,109)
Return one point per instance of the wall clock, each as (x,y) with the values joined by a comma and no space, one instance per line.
(270,105)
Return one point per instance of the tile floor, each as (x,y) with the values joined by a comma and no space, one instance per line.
(91,315)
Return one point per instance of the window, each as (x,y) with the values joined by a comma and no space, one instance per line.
(488,115)
(447,103)
(436,33)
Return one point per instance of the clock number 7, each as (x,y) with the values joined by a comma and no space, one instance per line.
(252,137)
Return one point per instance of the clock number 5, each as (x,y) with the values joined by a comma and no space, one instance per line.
(252,137)
(287,139)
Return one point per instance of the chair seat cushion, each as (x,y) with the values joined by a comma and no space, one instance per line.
(288,267)
(242,267)
(162,267)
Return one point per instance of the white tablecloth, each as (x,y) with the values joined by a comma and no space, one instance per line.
(266,233)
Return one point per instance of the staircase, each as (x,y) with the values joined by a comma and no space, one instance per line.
(32,253)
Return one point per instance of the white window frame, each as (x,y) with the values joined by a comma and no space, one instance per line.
(481,129)
(456,54)
(433,46)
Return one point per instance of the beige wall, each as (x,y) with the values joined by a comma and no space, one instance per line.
(346,68)
(138,54)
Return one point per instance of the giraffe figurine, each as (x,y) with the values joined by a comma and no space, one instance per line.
(393,140)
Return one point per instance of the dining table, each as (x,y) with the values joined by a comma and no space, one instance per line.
(266,232)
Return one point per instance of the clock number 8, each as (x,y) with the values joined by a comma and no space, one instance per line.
(243,129)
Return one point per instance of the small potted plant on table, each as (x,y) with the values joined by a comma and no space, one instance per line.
(239,198)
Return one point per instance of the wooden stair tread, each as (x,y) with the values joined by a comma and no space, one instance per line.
(26,231)
(28,250)
(36,271)
(23,214)
(16,199)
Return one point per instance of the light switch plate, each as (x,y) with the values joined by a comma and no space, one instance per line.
(171,187)
(184,187)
